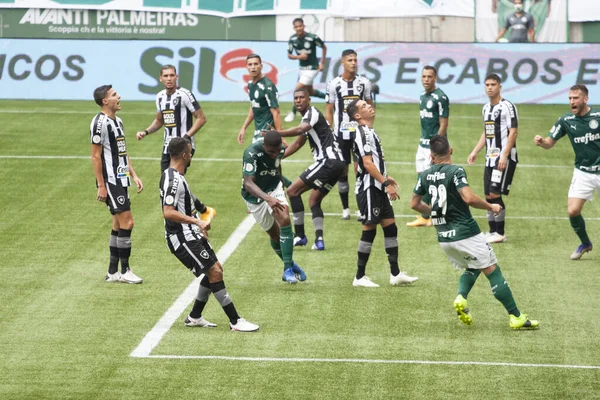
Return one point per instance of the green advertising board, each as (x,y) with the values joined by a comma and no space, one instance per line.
(36,23)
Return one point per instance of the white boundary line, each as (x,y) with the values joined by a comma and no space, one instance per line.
(153,338)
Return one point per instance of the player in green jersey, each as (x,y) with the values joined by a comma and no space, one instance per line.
(448,201)
(305,44)
(262,190)
(434,112)
(582,125)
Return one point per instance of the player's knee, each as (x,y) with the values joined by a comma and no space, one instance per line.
(574,212)
(215,273)
(390,231)
(368,236)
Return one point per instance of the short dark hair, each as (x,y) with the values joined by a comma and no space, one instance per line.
(253,55)
(272,139)
(348,52)
(177,146)
(431,68)
(166,67)
(439,145)
(352,109)
(302,89)
(581,87)
(297,20)
(100,93)
(493,77)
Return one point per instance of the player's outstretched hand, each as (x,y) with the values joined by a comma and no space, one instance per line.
(472,157)
(241,135)
(140,135)
(138,183)
(538,140)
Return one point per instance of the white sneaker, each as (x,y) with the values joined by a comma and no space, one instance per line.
(495,237)
(243,326)
(359,216)
(346,213)
(200,322)
(130,277)
(365,281)
(110,278)
(402,279)
(486,236)
(290,117)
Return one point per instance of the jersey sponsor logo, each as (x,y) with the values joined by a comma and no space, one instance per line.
(426,114)
(96,139)
(424,142)
(574,127)
(121,200)
(490,129)
(169,200)
(593,168)
(438,221)
(348,100)
(169,118)
(272,172)
(447,234)
(588,137)
(255,104)
(436,176)
(122,171)
(470,258)
(593,124)
(121,146)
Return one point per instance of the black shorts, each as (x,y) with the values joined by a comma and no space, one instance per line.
(501,184)
(323,174)
(346,149)
(117,198)
(197,255)
(374,206)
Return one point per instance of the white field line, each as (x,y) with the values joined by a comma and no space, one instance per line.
(153,338)
(368,361)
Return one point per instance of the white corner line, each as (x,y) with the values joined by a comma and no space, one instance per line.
(153,338)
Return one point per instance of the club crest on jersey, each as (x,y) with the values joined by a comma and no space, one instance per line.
(359,89)
(277,162)
(175,101)
(169,200)
(204,254)
(429,104)
(376,211)
(593,124)
(96,139)
(121,200)
(256,94)
(496,113)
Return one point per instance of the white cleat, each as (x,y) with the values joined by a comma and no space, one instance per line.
(402,279)
(290,117)
(365,281)
(130,277)
(111,278)
(346,213)
(495,237)
(199,322)
(243,326)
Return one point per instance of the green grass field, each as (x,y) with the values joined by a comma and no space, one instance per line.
(66,334)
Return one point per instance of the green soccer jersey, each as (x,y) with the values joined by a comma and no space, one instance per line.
(263,96)
(306,44)
(433,106)
(263,168)
(449,213)
(584,134)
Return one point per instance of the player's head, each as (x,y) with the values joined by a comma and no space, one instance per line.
(578,98)
(301,99)
(440,149)
(254,65)
(272,144)
(168,76)
(429,78)
(493,84)
(180,149)
(360,111)
(349,61)
(106,96)
(299,26)
(518,5)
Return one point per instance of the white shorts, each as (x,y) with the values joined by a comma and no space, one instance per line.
(473,253)
(307,76)
(423,159)
(262,213)
(584,184)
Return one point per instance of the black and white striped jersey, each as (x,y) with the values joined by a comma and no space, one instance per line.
(497,121)
(340,93)
(177,110)
(367,143)
(109,134)
(175,191)
(322,143)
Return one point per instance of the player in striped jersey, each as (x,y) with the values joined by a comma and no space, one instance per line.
(113,171)
(500,122)
(320,176)
(186,238)
(181,115)
(374,190)
(341,91)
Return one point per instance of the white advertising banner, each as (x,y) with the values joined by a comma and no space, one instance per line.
(584,10)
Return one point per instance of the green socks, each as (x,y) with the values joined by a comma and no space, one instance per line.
(319,94)
(578,225)
(467,280)
(277,247)
(502,292)
(286,241)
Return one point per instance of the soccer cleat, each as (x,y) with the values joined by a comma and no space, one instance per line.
(300,241)
(523,322)
(495,237)
(359,217)
(288,276)
(290,117)
(130,277)
(402,279)
(199,322)
(365,281)
(319,244)
(243,326)
(462,309)
(111,278)
(420,221)
(298,272)
(209,214)
(583,248)
(346,213)
(487,235)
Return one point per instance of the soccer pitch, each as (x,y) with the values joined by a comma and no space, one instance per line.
(64,333)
